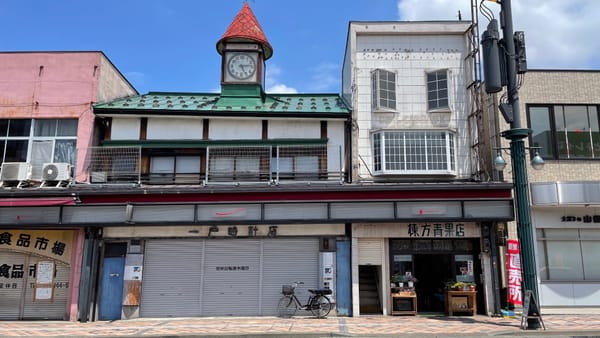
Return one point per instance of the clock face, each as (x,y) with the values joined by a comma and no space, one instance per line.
(241,66)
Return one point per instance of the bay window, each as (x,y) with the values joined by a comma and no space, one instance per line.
(413,152)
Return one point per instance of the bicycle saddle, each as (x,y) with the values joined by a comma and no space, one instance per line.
(320,292)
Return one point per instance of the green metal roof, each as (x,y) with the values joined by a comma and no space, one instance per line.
(217,103)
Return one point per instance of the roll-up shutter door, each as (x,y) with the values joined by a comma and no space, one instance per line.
(285,261)
(223,277)
(16,286)
(49,309)
(12,289)
(370,251)
(231,277)
(171,278)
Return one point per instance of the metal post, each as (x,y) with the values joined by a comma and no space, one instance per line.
(516,135)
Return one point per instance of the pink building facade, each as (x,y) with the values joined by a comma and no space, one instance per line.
(46,116)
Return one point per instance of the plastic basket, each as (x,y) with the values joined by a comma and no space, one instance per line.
(287,289)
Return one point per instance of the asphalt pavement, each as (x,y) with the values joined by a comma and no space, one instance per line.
(304,327)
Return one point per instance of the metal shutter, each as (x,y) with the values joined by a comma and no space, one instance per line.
(171,278)
(11,289)
(49,309)
(285,261)
(370,251)
(231,277)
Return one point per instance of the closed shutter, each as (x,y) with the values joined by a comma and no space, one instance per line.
(284,261)
(229,280)
(370,251)
(171,278)
(11,289)
(56,308)
(231,277)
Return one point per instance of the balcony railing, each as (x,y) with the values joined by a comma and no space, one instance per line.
(274,164)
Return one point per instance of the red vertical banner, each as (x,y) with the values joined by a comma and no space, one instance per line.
(515,276)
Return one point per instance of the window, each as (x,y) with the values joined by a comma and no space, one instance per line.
(299,162)
(565,131)
(383,90)
(38,142)
(437,90)
(413,152)
(568,254)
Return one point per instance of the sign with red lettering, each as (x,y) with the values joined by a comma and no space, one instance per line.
(514,273)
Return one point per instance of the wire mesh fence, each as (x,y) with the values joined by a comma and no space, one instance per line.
(114,164)
(217,165)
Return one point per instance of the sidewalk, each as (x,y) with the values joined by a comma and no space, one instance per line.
(364,326)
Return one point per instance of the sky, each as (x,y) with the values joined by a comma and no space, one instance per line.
(169,45)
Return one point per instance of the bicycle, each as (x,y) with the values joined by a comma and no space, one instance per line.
(317,303)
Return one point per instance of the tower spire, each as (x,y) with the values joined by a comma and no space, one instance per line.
(245,28)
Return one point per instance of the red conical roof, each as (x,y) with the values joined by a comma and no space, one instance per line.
(245,28)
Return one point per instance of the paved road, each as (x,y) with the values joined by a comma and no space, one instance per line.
(364,326)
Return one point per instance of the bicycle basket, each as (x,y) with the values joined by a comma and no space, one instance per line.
(287,289)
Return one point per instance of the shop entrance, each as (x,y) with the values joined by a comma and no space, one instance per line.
(433,271)
(435,263)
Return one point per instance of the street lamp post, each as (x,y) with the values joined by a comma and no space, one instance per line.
(516,136)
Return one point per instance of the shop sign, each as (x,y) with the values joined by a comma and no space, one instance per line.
(584,219)
(436,230)
(514,273)
(48,243)
(12,275)
(425,230)
(233,268)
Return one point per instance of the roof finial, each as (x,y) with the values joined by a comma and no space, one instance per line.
(245,28)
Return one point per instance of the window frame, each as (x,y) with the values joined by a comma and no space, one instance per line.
(437,108)
(554,152)
(545,270)
(380,165)
(32,137)
(376,90)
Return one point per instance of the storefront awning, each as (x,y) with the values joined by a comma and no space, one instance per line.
(37,201)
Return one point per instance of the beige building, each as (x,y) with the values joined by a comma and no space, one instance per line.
(561,107)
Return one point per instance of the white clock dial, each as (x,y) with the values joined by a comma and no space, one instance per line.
(241,66)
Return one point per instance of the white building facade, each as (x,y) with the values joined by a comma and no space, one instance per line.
(410,87)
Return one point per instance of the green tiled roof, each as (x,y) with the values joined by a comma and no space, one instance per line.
(188,103)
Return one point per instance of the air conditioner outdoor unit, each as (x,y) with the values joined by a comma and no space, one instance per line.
(15,172)
(98,177)
(56,172)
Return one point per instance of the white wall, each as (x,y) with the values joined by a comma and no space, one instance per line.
(162,128)
(125,129)
(294,129)
(411,57)
(237,129)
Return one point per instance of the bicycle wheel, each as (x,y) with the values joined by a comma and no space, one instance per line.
(287,307)
(320,306)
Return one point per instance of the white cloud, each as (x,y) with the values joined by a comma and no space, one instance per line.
(558,33)
(273,85)
(281,89)
(325,77)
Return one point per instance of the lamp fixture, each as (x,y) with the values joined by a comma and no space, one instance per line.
(499,162)
(537,162)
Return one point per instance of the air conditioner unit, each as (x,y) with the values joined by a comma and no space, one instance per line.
(56,172)
(15,171)
(99,177)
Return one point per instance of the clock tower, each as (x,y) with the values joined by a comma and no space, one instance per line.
(244,49)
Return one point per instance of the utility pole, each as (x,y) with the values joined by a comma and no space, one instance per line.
(516,135)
